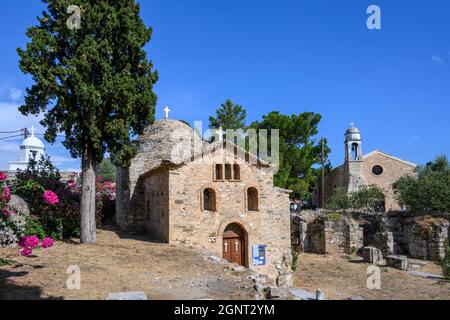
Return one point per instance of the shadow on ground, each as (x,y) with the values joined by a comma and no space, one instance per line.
(11,291)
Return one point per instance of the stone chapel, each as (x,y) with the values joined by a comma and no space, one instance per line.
(375,168)
(211,197)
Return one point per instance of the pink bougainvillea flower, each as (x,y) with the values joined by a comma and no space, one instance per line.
(50,197)
(26,252)
(3,176)
(7,194)
(29,242)
(47,243)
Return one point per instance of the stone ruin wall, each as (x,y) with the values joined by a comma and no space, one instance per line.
(419,237)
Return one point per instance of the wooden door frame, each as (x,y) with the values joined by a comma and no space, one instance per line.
(244,240)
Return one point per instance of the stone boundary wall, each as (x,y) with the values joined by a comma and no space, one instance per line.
(414,235)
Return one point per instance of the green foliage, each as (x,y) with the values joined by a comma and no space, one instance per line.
(335,216)
(340,199)
(429,191)
(446,262)
(300,152)
(60,221)
(229,116)
(34,227)
(6,262)
(367,198)
(295,255)
(106,170)
(93,84)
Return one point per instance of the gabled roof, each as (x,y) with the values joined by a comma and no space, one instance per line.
(389,156)
(211,147)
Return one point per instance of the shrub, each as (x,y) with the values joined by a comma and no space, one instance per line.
(12,225)
(429,191)
(295,255)
(339,200)
(367,198)
(446,262)
(53,204)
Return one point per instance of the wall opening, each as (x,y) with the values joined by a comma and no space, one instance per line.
(209,200)
(252,199)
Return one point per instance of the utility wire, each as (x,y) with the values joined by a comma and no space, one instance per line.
(19,135)
(8,132)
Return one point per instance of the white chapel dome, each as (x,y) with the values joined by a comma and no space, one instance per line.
(33,141)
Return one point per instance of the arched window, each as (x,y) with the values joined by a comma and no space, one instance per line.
(355,151)
(252,199)
(219,172)
(228,174)
(209,200)
(236,172)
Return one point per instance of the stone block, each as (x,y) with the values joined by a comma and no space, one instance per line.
(397,262)
(133,296)
(20,205)
(372,255)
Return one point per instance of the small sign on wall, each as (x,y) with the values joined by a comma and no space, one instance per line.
(259,255)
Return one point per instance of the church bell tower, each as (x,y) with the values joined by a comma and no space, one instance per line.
(354,159)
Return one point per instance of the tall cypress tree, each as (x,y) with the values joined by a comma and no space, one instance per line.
(93,82)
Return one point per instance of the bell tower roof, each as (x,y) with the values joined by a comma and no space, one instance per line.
(352,134)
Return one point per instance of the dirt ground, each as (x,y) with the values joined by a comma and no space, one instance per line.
(340,279)
(117,264)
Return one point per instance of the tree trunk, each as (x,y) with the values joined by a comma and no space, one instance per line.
(88,223)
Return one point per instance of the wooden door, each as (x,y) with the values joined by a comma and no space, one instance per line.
(233,250)
(233,247)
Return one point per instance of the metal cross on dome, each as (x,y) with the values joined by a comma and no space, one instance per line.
(352,124)
(167,110)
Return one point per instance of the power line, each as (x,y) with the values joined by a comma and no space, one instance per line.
(8,132)
(18,135)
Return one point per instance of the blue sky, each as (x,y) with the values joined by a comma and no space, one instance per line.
(290,56)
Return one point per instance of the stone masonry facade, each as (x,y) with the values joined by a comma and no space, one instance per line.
(163,195)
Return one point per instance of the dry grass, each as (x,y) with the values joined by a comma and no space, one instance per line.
(117,264)
(341,279)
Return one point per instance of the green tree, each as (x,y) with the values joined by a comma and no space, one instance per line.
(229,116)
(367,198)
(300,152)
(107,170)
(446,262)
(339,199)
(94,84)
(429,190)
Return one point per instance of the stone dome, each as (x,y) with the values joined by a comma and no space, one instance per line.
(353,134)
(168,140)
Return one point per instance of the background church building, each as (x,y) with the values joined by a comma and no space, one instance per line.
(375,168)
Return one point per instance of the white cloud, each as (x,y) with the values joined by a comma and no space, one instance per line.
(437,59)
(15,94)
(413,139)
(61,160)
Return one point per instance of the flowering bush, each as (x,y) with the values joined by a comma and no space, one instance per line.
(47,243)
(12,225)
(50,197)
(28,244)
(54,206)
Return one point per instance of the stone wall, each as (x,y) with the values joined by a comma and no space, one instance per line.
(269,226)
(417,236)
(332,234)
